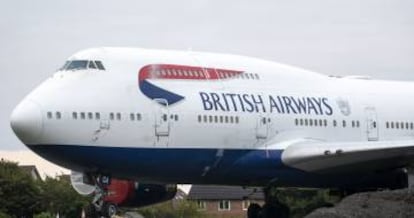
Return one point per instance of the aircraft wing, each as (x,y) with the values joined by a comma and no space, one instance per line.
(349,157)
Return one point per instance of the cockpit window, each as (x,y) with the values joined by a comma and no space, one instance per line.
(77,65)
(100,65)
(91,65)
(83,65)
(65,65)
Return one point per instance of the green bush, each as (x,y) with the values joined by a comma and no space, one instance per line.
(178,209)
(44,215)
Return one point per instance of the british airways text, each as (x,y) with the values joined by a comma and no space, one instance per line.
(265,103)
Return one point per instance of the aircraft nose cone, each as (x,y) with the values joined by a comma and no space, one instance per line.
(26,121)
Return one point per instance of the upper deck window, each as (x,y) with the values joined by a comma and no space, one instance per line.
(83,65)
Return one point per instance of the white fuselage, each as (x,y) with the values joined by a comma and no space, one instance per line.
(264,108)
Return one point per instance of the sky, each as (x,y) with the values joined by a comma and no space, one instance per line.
(349,37)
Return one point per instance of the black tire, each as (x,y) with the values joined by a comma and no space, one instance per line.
(254,211)
(90,211)
(109,209)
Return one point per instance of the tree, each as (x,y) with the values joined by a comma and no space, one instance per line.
(19,195)
(58,196)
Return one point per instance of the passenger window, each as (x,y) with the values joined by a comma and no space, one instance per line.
(296,122)
(215,119)
(90,115)
(176,117)
(138,116)
(118,116)
(205,118)
(301,122)
(392,125)
(111,116)
(343,123)
(210,119)
(334,123)
(306,122)
(49,115)
(231,119)
(132,117)
(411,126)
(237,119)
(221,119)
(75,115)
(199,118)
(58,115)
(226,119)
(82,115)
(99,65)
(310,122)
(387,125)
(164,117)
(97,116)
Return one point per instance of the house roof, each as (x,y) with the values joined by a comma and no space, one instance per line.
(31,169)
(213,192)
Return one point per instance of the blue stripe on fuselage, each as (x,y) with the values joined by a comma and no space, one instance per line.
(183,165)
(167,164)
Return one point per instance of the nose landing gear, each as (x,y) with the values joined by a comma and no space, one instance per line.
(99,207)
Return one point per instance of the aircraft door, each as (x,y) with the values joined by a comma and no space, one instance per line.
(372,124)
(262,127)
(162,121)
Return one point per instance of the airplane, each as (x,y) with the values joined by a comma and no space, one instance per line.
(160,118)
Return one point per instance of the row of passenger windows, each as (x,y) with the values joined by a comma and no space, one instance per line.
(323,123)
(217,119)
(93,116)
(399,125)
(227,119)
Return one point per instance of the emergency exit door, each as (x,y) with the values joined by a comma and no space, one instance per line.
(161,114)
(372,124)
(262,127)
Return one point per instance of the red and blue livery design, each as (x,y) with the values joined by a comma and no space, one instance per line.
(155,72)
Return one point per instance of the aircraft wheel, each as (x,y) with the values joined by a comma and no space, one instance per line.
(109,209)
(90,211)
(254,211)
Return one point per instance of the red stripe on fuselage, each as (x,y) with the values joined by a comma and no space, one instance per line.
(169,71)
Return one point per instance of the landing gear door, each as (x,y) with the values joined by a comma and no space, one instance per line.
(262,127)
(372,124)
(161,114)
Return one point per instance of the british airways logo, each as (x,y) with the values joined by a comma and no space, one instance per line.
(228,102)
(255,103)
(155,72)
